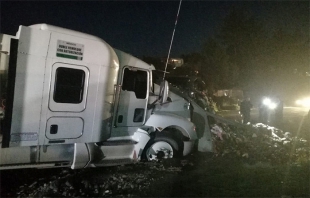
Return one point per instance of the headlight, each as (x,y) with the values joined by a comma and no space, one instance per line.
(269,103)
(266,101)
(272,105)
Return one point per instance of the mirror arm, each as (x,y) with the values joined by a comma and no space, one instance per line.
(151,106)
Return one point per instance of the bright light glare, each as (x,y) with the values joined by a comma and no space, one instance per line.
(272,105)
(269,103)
(304,102)
(266,101)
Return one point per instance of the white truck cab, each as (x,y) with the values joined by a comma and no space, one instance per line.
(72,100)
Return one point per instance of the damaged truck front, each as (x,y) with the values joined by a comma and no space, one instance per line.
(70,100)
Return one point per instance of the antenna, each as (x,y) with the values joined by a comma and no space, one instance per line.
(175,25)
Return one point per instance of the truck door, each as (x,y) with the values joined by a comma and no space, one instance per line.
(132,106)
(67,101)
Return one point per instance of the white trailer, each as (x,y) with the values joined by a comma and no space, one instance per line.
(71,100)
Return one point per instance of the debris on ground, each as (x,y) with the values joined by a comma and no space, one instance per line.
(248,150)
(118,181)
(260,143)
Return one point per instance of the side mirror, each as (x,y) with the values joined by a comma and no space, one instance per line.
(163,91)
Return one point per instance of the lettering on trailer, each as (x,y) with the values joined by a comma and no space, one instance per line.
(69,50)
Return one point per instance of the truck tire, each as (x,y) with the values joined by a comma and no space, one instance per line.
(163,146)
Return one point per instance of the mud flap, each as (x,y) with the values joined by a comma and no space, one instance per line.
(81,156)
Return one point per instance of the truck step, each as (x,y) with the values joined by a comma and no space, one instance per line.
(117,142)
(37,165)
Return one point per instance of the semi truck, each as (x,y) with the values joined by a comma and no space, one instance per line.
(72,100)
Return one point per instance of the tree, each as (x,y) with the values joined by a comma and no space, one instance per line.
(290,62)
(215,66)
(244,38)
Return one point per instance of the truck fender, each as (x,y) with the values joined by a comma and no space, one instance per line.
(162,120)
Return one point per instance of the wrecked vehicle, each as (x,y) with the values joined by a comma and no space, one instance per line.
(203,112)
(74,101)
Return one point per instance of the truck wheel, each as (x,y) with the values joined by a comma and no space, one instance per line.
(163,146)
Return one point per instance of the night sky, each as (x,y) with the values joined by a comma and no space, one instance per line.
(144,28)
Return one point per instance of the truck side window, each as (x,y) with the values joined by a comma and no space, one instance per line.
(69,85)
(135,81)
